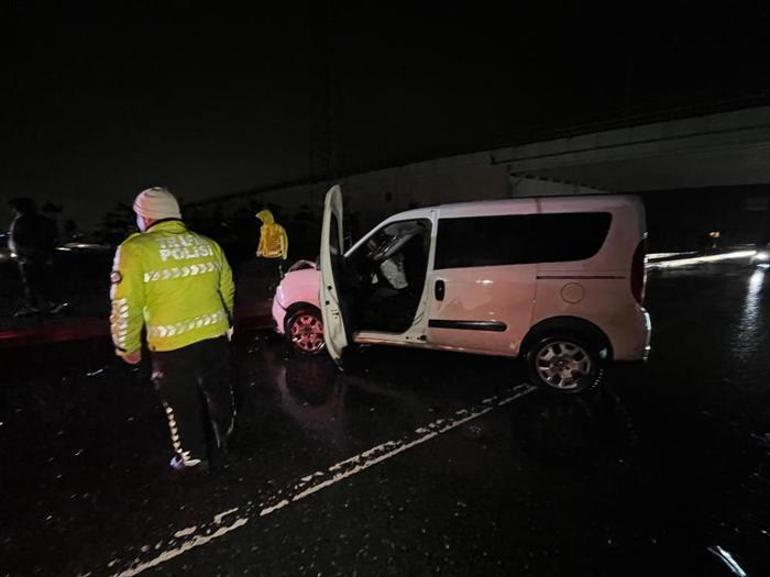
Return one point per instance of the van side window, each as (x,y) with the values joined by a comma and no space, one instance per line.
(520,239)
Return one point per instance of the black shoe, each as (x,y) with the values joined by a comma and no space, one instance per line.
(221,449)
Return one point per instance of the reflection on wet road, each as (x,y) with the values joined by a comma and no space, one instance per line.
(409,462)
(751,318)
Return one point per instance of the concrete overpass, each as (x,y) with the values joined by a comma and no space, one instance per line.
(709,157)
(725,149)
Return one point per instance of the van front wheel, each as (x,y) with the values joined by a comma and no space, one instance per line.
(564,364)
(305,331)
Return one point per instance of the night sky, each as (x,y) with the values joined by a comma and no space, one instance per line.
(101,101)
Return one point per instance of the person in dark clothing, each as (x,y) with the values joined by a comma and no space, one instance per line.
(32,240)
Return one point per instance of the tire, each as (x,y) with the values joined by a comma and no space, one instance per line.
(565,364)
(304,331)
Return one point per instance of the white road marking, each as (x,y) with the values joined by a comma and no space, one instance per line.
(219,516)
(311,484)
(185,532)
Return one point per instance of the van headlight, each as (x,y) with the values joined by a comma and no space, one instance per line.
(762,256)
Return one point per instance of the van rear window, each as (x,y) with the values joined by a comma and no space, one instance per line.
(520,239)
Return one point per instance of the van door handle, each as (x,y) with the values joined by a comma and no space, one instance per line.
(439,289)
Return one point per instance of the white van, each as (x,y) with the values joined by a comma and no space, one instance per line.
(558,280)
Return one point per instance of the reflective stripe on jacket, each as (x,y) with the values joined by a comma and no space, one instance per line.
(174,281)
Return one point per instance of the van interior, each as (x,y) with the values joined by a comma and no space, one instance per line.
(386,275)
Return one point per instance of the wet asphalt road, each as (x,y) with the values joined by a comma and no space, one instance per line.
(646,477)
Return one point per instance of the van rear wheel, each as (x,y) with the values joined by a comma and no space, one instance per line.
(565,364)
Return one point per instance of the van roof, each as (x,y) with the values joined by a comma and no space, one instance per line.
(586,202)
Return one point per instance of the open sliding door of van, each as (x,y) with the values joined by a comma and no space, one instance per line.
(334,309)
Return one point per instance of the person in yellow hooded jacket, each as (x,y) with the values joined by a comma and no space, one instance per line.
(273,240)
(273,245)
(178,286)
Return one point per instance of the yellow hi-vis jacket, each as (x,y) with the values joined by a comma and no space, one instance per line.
(175,282)
(273,240)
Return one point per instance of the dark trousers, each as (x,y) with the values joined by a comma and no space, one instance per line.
(37,278)
(194,385)
(272,270)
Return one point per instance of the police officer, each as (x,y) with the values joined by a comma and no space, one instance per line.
(178,285)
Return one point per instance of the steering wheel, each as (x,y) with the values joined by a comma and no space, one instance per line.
(388,248)
(375,251)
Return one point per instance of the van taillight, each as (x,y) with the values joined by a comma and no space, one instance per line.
(638,273)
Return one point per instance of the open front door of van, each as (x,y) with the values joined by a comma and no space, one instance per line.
(334,310)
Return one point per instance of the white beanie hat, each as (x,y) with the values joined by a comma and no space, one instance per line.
(156,203)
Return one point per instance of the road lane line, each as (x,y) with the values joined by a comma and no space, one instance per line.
(313,483)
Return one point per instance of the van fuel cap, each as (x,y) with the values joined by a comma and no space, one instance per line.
(572,292)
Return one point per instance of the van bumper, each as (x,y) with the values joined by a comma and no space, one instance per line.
(632,344)
(279,316)
(648,336)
